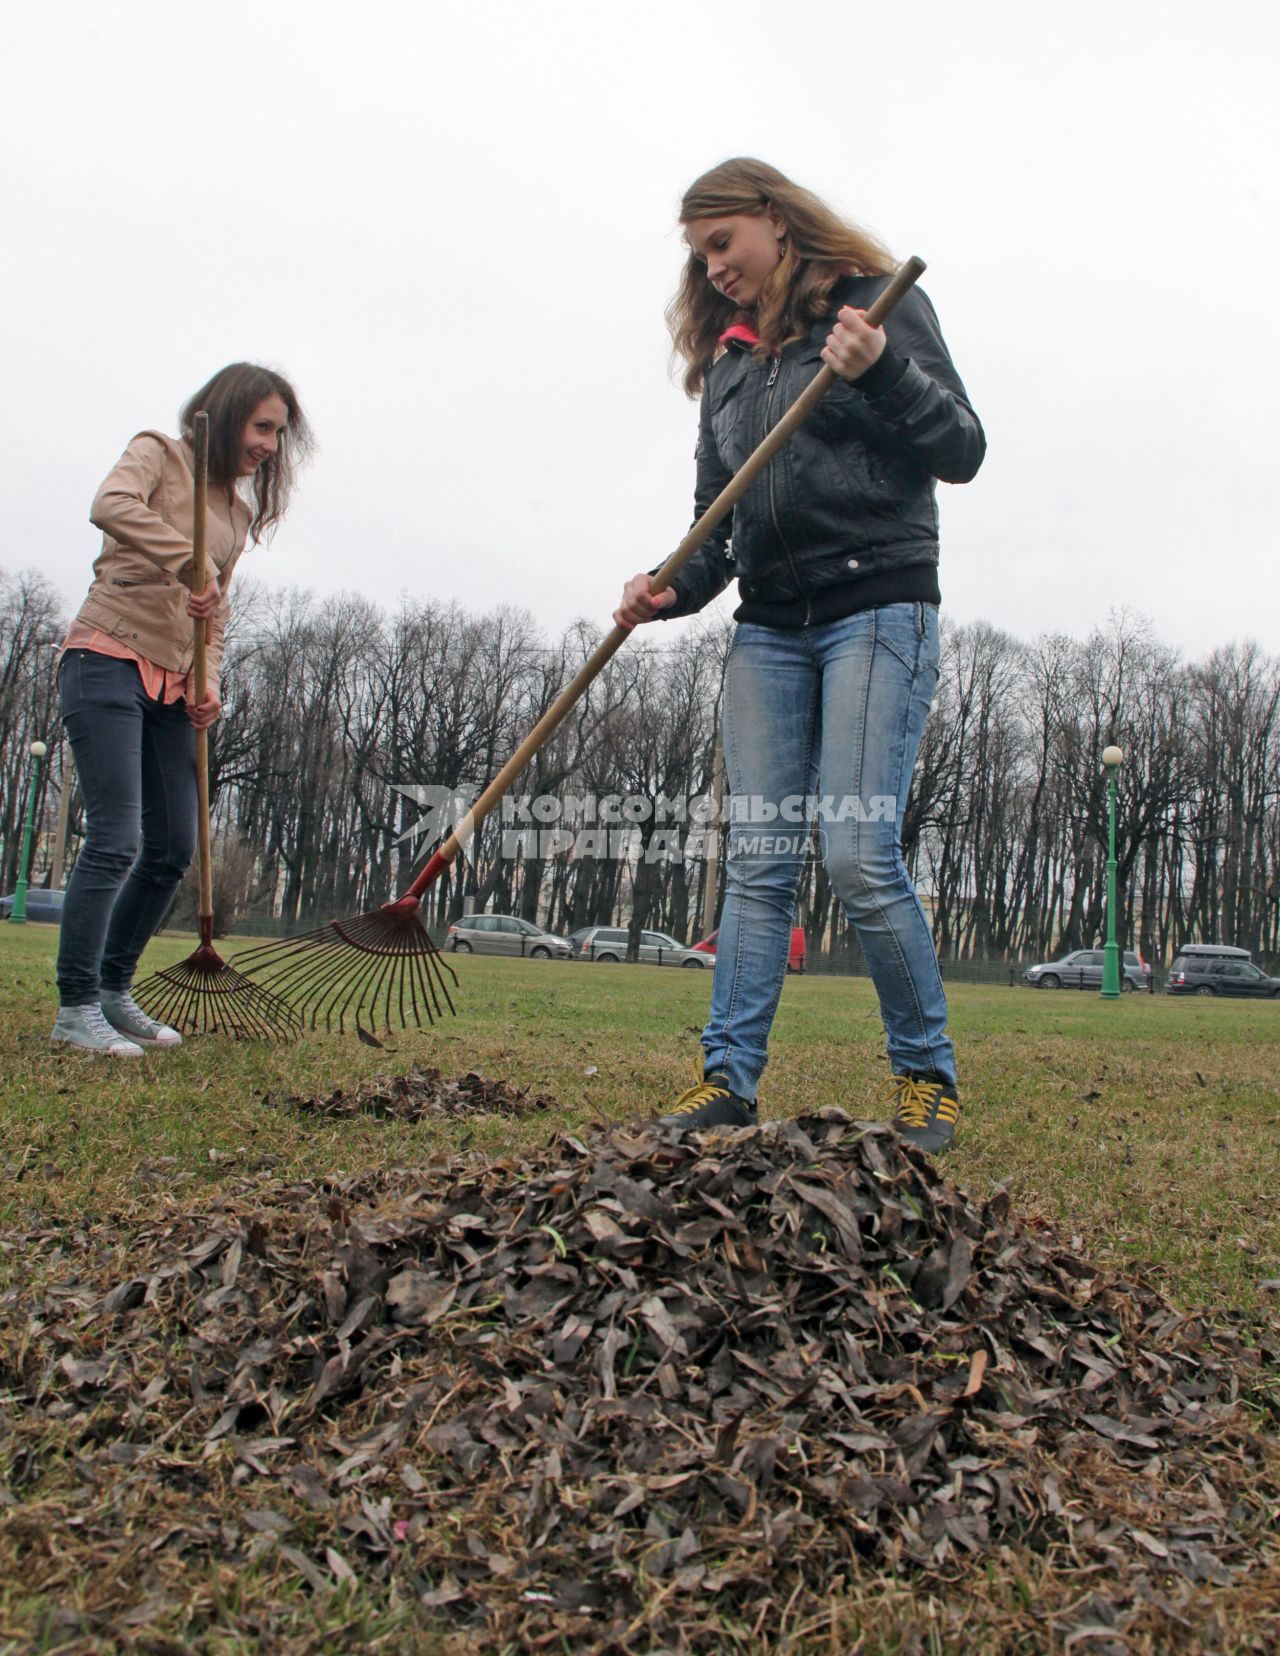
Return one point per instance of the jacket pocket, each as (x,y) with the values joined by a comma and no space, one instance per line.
(726,411)
(842,409)
(139,580)
(860,477)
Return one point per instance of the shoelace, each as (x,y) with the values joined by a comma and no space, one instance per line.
(916,1100)
(702,1092)
(95,1021)
(131,1009)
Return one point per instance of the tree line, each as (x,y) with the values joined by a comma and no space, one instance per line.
(349,728)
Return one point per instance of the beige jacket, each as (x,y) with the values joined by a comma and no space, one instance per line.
(142,575)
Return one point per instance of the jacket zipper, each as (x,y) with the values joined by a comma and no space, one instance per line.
(773,501)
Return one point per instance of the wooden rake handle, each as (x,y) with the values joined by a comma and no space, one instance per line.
(199,578)
(907,274)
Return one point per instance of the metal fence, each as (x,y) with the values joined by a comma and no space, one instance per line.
(845,961)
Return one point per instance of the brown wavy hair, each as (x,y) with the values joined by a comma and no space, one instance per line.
(820,247)
(229,400)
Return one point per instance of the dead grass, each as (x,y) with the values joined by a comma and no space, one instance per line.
(1145,1129)
(1148,1127)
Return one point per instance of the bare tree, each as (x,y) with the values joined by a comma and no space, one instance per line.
(31,627)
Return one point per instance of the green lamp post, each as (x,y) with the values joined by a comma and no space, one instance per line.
(1112,758)
(19,915)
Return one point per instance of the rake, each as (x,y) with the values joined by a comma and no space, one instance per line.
(383,968)
(203,995)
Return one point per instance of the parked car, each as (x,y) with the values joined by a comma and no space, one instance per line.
(505,934)
(1210,951)
(609,945)
(43,905)
(1082,969)
(796,954)
(1218,969)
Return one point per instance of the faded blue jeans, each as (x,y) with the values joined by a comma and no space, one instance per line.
(821,729)
(136,763)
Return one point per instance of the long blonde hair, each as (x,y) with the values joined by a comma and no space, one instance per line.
(819,248)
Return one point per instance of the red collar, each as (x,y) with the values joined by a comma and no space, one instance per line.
(741,332)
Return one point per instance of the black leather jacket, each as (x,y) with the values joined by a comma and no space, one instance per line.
(851,497)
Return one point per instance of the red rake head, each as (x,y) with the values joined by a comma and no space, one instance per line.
(378,970)
(202,995)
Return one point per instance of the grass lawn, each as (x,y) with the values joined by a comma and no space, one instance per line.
(1145,1130)
(1148,1127)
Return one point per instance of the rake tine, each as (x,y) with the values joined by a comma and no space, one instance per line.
(316,981)
(420,986)
(358,991)
(289,978)
(380,968)
(202,995)
(418,979)
(432,981)
(409,976)
(395,984)
(359,980)
(322,987)
(289,974)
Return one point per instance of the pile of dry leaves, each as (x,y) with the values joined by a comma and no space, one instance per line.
(635,1392)
(423,1093)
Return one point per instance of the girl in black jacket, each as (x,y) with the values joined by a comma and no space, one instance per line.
(835,659)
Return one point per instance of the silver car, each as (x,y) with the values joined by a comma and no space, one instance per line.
(505,934)
(1082,969)
(609,944)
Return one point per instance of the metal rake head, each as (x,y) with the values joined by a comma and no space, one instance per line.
(380,969)
(203,995)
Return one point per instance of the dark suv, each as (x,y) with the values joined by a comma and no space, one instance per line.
(1082,969)
(1216,969)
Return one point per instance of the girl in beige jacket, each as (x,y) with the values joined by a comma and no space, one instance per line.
(128,703)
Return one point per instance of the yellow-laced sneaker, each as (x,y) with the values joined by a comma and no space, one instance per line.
(710,1102)
(926,1109)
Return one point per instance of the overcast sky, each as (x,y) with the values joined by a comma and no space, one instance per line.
(453,227)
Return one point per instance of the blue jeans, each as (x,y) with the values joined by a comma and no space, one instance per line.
(136,763)
(821,730)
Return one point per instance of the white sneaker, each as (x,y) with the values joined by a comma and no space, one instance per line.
(85,1028)
(127,1018)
